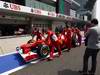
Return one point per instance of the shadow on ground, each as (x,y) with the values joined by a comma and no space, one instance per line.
(68,72)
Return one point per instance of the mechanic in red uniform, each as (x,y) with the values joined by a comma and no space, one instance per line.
(34,32)
(64,39)
(61,40)
(39,35)
(69,38)
(52,43)
(73,36)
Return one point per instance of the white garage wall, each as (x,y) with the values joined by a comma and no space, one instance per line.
(96,11)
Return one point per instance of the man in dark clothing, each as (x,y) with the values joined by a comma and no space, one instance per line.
(92,49)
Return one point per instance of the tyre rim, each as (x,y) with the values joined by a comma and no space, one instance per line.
(45,50)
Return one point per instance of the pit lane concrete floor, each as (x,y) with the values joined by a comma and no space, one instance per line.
(68,64)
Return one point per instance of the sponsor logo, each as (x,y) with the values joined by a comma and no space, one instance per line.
(14,7)
(5,5)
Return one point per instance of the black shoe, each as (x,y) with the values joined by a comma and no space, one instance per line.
(83,73)
(91,73)
(80,71)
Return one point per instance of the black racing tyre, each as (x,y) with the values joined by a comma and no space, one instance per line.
(43,51)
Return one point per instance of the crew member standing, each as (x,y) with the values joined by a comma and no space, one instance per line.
(39,35)
(92,49)
(69,38)
(52,42)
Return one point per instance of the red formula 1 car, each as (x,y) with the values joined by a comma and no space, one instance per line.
(33,50)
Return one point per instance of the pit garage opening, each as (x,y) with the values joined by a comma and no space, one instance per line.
(13,25)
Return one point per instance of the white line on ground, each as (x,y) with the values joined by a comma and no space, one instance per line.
(7,54)
(21,67)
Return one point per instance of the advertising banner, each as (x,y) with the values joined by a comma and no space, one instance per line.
(35,11)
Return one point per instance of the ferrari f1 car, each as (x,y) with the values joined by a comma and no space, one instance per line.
(35,49)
